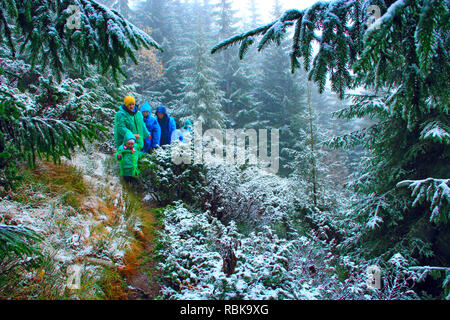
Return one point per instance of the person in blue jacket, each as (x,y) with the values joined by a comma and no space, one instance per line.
(152,126)
(167,124)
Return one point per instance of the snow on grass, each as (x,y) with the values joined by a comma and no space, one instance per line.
(94,233)
(267,267)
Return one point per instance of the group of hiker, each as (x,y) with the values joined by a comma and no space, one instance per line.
(137,131)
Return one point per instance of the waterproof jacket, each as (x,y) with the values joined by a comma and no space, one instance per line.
(128,160)
(167,124)
(188,126)
(152,126)
(129,122)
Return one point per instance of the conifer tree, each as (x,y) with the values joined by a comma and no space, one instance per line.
(176,59)
(254,14)
(281,97)
(225,23)
(81,32)
(235,79)
(201,94)
(173,29)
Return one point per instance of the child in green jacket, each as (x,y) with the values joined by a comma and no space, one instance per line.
(128,158)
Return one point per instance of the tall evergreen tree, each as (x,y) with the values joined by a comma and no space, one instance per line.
(282,96)
(255,17)
(306,155)
(201,95)
(174,29)
(234,79)
(225,23)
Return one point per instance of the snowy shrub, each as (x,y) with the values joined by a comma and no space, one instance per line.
(266,267)
(228,192)
(396,280)
(247,194)
(189,255)
(168,181)
(275,268)
(194,262)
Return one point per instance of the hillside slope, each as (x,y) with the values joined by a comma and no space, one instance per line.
(94,233)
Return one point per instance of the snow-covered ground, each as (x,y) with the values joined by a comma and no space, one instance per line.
(79,241)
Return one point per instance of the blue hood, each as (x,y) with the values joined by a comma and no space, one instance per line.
(146,107)
(162,109)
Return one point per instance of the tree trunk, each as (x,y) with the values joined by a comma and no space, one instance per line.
(313,164)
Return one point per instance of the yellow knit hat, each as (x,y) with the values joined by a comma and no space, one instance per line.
(128,100)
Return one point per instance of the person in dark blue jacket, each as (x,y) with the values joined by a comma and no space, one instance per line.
(167,124)
(152,126)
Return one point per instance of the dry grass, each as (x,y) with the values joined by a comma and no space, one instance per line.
(60,178)
(112,285)
(142,236)
(53,180)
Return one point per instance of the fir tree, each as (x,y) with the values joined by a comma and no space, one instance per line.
(235,80)
(77,32)
(254,14)
(173,29)
(225,23)
(201,95)
(281,96)
(176,59)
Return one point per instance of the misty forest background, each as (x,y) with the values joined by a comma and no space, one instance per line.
(363,176)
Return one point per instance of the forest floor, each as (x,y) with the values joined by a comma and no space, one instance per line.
(87,219)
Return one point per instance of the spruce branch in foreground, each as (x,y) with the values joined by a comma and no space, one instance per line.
(46,32)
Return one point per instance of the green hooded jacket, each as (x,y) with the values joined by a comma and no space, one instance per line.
(129,122)
(128,159)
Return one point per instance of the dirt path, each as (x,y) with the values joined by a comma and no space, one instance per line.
(143,278)
(139,270)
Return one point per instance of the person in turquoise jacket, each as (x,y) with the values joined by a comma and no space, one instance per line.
(188,127)
(129,120)
(167,124)
(152,126)
(128,158)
